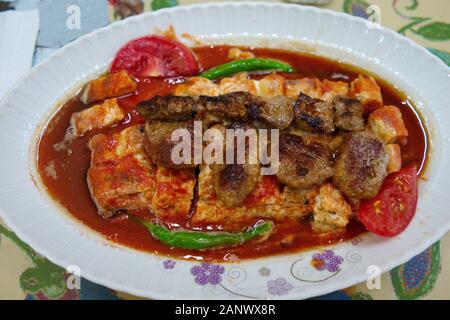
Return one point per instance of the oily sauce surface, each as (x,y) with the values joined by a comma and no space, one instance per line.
(64,171)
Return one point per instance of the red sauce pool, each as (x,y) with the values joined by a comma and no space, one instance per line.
(70,189)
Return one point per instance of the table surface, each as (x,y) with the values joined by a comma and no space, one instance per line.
(427,276)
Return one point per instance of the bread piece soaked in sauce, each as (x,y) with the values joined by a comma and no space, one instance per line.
(310,86)
(111,85)
(121,176)
(174,193)
(331,212)
(96,117)
(197,86)
(395,158)
(361,165)
(367,91)
(387,124)
(238,54)
(265,202)
(239,82)
(332,89)
(269,86)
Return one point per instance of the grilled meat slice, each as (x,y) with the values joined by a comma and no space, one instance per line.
(230,106)
(303,165)
(361,165)
(329,141)
(169,108)
(348,114)
(159,145)
(313,114)
(277,112)
(234,182)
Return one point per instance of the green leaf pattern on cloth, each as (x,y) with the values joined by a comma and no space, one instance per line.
(416,278)
(436,31)
(44,277)
(159,4)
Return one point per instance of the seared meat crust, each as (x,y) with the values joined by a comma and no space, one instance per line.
(277,112)
(158,143)
(234,182)
(169,108)
(231,106)
(303,165)
(313,114)
(361,165)
(348,114)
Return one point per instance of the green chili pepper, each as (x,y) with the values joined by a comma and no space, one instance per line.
(195,240)
(245,65)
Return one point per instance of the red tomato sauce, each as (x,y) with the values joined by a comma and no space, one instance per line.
(70,188)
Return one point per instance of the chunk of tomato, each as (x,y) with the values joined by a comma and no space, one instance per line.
(391,211)
(155,56)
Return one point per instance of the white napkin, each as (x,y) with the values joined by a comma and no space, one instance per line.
(18,32)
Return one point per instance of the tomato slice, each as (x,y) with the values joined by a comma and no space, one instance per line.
(391,211)
(155,56)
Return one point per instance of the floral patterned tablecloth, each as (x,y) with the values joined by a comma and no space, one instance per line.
(27,275)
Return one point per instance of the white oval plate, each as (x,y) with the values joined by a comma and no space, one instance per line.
(36,219)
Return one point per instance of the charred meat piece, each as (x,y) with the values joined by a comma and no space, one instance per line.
(303,165)
(159,145)
(313,114)
(329,141)
(361,165)
(230,106)
(277,112)
(348,114)
(234,182)
(170,108)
